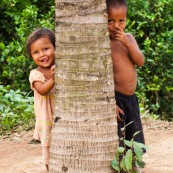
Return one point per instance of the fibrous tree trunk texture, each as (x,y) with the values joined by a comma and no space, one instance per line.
(84,134)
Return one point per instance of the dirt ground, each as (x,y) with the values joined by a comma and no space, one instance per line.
(16,156)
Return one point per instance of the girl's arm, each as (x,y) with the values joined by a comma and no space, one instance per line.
(44,88)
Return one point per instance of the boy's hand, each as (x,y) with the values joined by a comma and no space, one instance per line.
(118,112)
(122,37)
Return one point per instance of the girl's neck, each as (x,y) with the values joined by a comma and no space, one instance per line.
(39,68)
(44,70)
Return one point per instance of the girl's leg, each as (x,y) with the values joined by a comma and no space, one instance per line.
(46,156)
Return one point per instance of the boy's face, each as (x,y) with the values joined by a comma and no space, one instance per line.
(116,20)
(43,52)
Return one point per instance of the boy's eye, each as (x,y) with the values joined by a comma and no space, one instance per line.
(122,21)
(110,21)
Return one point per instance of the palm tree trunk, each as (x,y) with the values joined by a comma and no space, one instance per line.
(84,134)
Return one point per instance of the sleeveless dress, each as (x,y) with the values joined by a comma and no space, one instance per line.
(43,107)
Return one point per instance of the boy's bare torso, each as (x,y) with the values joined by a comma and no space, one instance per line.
(125,76)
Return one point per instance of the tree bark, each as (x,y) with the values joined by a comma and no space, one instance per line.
(84,133)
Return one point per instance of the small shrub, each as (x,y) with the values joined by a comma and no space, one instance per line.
(129,156)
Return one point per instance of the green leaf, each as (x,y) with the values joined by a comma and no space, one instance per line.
(128,143)
(115,165)
(141,164)
(138,152)
(1,108)
(136,133)
(140,145)
(123,164)
(128,160)
(117,155)
(121,150)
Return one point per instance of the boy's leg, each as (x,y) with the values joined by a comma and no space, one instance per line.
(130,107)
(136,125)
(121,124)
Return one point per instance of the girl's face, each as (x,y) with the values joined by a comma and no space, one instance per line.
(116,19)
(43,52)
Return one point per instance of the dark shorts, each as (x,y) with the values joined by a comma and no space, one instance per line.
(130,106)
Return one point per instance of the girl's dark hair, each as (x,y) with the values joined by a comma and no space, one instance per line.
(38,33)
(116,3)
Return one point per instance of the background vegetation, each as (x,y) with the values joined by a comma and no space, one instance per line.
(149,21)
(18,19)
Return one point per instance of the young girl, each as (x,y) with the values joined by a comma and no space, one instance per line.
(41,48)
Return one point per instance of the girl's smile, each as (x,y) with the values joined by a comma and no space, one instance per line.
(43,52)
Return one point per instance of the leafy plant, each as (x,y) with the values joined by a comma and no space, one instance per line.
(129,156)
(16,110)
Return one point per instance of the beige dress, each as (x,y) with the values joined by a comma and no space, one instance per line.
(43,107)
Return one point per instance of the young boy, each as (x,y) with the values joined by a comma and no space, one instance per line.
(125,55)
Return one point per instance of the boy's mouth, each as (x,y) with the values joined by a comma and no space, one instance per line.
(115,30)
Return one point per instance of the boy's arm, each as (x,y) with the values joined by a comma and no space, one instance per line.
(130,43)
(118,112)
(134,51)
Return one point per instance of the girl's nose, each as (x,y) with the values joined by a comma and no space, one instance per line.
(41,53)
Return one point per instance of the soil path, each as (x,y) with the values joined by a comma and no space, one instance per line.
(16,156)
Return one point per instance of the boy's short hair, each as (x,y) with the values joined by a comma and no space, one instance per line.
(116,3)
(38,33)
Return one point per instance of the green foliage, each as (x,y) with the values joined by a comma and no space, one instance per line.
(16,110)
(18,19)
(129,156)
(151,24)
(149,21)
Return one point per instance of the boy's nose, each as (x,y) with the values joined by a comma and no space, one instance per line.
(115,25)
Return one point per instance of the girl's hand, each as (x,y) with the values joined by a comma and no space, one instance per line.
(53,72)
(118,112)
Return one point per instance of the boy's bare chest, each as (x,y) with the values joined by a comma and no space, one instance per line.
(116,46)
(119,52)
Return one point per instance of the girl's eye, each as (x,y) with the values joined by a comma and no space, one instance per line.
(46,48)
(34,53)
